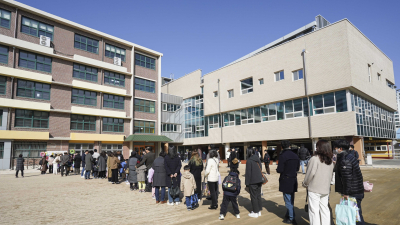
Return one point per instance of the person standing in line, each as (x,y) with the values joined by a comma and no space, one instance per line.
(77,163)
(132,177)
(20,166)
(141,177)
(56,161)
(159,178)
(89,165)
(303,154)
(109,173)
(147,160)
(64,164)
(212,174)
(230,196)
(196,167)
(51,159)
(288,165)
(267,160)
(114,168)
(317,181)
(348,176)
(188,185)
(353,152)
(102,165)
(44,165)
(172,168)
(95,154)
(253,180)
(83,160)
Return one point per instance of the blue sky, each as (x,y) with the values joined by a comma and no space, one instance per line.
(210,34)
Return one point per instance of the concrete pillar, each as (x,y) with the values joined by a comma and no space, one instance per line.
(227,153)
(358,146)
(264,147)
(314,144)
(166,147)
(245,146)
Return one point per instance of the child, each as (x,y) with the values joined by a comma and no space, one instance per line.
(95,170)
(141,177)
(188,185)
(231,187)
(150,182)
(122,170)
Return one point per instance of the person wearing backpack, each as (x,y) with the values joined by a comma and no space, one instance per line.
(231,186)
(267,160)
(303,154)
(353,152)
(188,187)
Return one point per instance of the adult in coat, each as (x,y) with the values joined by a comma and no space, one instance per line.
(132,177)
(172,166)
(159,178)
(83,165)
(288,165)
(51,159)
(196,167)
(102,165)
(212,174)
(114,168)
(77,163)
(64,164)
(89,164)
(109,175)
(253,180)
(20,166)
(43,162)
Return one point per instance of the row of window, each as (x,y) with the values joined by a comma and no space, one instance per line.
(167,127)
(170,107)
(145,127)
(145,106)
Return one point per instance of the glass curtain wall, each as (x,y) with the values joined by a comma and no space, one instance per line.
(195,125)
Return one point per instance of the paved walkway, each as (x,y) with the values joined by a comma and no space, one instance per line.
(386,163)
(51,199)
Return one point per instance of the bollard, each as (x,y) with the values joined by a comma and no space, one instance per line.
(369,159)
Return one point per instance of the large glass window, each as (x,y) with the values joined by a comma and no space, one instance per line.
(113,101)
(1,150)
(229,119)
(298,75)
(5,18)
(144,127)
(170,107)
(294,108)
(31,119)
(34,61)
(81,122)
(84,97)
(29,149)
(145,106)
(113,125)
(330,103)
(3,85)
(167,127)
(145,85)
(31,89)
(3,54)
(195,124)
(213,121)
(114,79)
(246,85)
(86,44)
(36,28)
(112,147)
(145,61)
(279,76)
(85,72)
(113,51)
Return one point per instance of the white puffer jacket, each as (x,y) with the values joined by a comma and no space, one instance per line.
(212,172)
(56,159)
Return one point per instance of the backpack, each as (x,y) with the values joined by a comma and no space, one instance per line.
(230,183)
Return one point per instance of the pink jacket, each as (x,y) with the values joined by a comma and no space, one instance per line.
(150,176)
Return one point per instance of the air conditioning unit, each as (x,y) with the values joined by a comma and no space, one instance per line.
(44,41)
(117,61)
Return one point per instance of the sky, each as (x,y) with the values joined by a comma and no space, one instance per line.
(207,34)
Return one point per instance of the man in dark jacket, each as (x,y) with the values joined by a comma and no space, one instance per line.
(348,176)
(288,166)
(253,180)
(353,152)
(83,164)
(230,196)
(89,164)
(303,155)
(64,164)
(147,160)
(267,160)
(77,163)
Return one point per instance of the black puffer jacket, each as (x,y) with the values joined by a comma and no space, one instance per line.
(303,153)
(348,177)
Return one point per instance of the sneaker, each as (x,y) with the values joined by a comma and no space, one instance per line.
(82,177)
(170,203)
(154,197)
(221,217)
(189,209)
(253,215)
(16,176)
(113,183)
(238,216)
(259,213)
(177,203)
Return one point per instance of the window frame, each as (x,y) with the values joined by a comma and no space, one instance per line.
(34,89)
(171,128)
(85,71)
(37,29)
(86,43)
(78,96)
(278,74)
(140,58)
(248,89)
(296,73)
(107,74)
(83,122)
(145,85)
(3,18)
(144,105)
(34,147)
(113,101)
(3,84)
(4,54)
(113,124)
(34,61)
(144,127)
(261,81)
(31,118)
(115,52)
(230,93)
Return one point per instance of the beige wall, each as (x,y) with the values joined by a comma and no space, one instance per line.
(214,136)
(186,86)
(335,124)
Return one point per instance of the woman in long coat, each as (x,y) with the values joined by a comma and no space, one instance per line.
(172,167)
(108,166)
(102,165)
(20,166)
(132,177)
(159,178)
(44,165)
(196,166)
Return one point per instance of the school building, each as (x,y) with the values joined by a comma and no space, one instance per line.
(65,86)
(322,81)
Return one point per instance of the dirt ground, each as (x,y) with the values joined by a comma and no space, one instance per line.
(52,199)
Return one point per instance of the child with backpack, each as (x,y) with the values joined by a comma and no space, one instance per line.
(231,187)
(188,185)
(141,178)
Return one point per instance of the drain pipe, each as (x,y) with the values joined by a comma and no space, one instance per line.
(219,110)
(303,53)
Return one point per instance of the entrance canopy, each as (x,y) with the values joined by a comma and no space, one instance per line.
(148,138)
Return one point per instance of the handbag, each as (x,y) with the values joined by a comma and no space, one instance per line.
(206,190)
(174,191)
(368,186)
(127,171)
(235,161)
(263,177)
(306,206)
(345,214)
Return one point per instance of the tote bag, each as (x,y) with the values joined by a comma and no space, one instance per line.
(345,214)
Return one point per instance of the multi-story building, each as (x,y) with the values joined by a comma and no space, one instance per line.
(78,89)
(397,115)
(321,81)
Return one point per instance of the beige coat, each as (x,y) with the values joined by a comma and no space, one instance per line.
(188,184)
(318,177)
(113,162)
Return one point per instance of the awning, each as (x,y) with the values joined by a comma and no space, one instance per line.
(149,138)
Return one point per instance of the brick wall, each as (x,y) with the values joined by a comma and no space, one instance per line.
(8,31)
(60,97)
(59,124)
